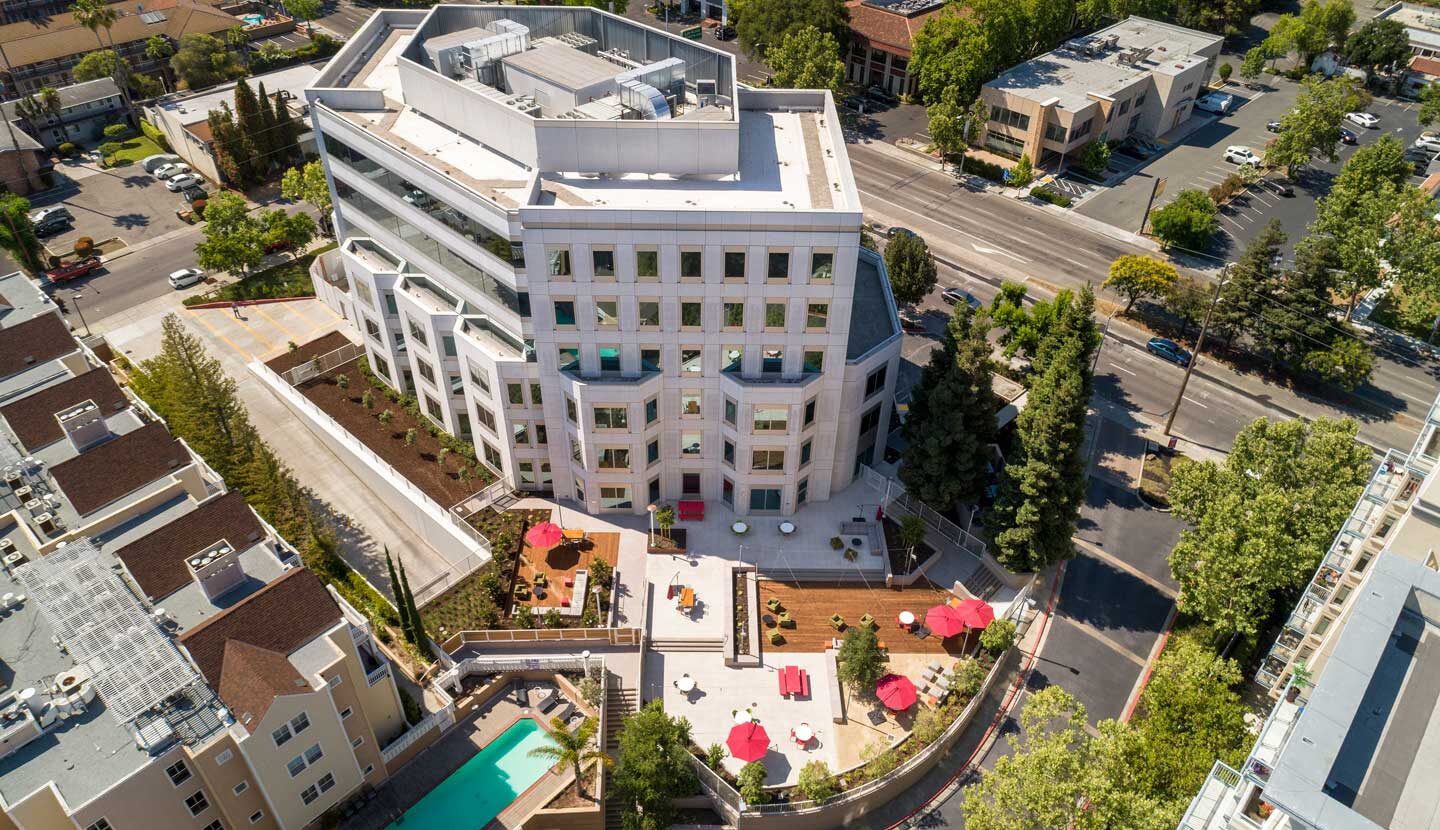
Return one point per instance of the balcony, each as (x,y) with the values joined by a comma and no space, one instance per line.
(608,376)
(493,339)
(769,378)
(375,256)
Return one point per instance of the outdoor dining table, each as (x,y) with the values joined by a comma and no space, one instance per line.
(787,528)
(687,598)
(804,734)
(907,618)
(686,683)
(739,527)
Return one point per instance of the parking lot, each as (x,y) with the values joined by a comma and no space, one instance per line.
(125,202)
(1197,162)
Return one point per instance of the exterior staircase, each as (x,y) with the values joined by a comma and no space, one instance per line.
(687,644)
(618,703)
(981,582)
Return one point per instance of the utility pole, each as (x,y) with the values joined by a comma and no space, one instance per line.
(1199,344)
(75,298)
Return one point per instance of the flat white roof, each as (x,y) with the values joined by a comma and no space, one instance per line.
(191,109)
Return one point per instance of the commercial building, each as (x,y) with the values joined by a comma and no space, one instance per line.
(1350,742)
(582,246)
(184,116)
(86,109)
(1422,24)
(42,52)
(1137,77)
(168,662)
(881,33)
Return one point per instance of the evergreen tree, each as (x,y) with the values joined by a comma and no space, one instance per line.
(911,268)
(265,135)
(1044,480)
(235,154)
(1252,280)
(952,417)
(248,125)
(287,132)
(414,626)
(401,607)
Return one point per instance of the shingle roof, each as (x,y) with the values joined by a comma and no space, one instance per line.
(74,95)
(887,30)
(32,342)
(157,560)
(252,677)
(32,418)
(281,617)
(120,466)
(59,35)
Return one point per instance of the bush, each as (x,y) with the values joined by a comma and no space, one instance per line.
(969,676)
(815,781)
(116,132)
(67,149)
(1231,186)
(524,617)
(1022,174)
(1188,222)
(590,691)
(715,755)
(928,726)
(601,572)
(998,636)
(752,782)
(153,133)
(1094,157)
(84,246)
(1045,194)
(984,169)
(1225,70)
(110,148)
(553,618)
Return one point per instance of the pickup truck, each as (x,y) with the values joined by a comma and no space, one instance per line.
(65,273)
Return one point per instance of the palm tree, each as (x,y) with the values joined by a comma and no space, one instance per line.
(237,38)
(32,108)
(572,747)
(96,15)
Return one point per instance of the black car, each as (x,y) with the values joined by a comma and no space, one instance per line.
(899,231)
(854,102)
(1279,187)
(1348,136)
(956,296)
(1274,127)
(1168,349)
(876,93)
(724,32)
(911,323)
(194,192)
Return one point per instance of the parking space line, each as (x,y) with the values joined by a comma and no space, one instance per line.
(200,318)
(276,323)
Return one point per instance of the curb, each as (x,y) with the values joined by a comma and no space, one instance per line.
(263,301)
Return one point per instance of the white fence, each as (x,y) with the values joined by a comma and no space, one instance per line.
(440,720)
(322,364)
(894,498)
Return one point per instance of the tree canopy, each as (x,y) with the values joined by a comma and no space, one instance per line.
(1134,276)
(1381,43)
(761,24)
(101,63)
(911,268)
(860,661)
(652,767)
(1189,221)
(17,233)
(807,58)
(204,60)
(1312,127)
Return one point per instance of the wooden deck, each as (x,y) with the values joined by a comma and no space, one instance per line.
(811,605)
(561,562)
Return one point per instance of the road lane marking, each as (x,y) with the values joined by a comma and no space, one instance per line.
(1197,403)
(1094,633)
(1120,564)
(1119,368)
(938,222)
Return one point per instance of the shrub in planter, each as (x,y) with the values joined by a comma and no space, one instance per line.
(1045,194)
(110,148)
(525,617)
(715,756)
(968,678)
(816,783)
(1022,173)
(553,618)
(998,636)
(984,169)
(601,572)
(752,783)
(84,246)
(836,543)
(851,554)
(67,149)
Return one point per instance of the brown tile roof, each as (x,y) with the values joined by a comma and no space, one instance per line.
(281,617)
(1425,66)
(34,341)
(157,560)
(887,31)
(58,36)
(104,473)
(32,418)
(252,677)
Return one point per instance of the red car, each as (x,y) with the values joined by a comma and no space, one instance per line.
(65,273)
(277,245)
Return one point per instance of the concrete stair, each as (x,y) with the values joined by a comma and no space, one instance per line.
(687,644)
(981,582)
(618,703)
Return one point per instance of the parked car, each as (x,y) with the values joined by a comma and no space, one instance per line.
(1274,127)
(854,102)
(182,181)
(1219,103)
(74,270)
(1240,154)
(278,245)
(1167,349)
(1363,119)
(1279,187)
(1428,141)
(169,171)
(186,277)
(911,322)
(1348,136)
(881,94)
(892,232)
(153,163)
(194,193)
(956,296)
(53,224)
(724,32)
(52,212)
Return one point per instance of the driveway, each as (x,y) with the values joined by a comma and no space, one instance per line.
(125,202)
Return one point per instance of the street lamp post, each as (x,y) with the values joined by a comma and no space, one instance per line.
(1199,344)
(651,508)
(75,298)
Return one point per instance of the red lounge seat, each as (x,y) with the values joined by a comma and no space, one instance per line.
(804,683)
(692,511)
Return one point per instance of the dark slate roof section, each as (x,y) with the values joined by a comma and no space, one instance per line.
(118,467)
(33,342)
(32,418)
(871,320)
(157,560)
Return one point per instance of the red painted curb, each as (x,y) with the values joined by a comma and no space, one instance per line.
(1150,667)
(266,301)
(1004,707)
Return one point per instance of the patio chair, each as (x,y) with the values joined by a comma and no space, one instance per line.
(933,666)
(867,621)
(776,638)
(540,580)
(773,604)
(522,695)
(522,592)
(565,711)
(768,620)
(785,620)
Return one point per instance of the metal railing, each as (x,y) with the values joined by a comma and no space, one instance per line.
(1219,785)
(613,636)
(441,719)
(894,497)
(486,496)
(320,365)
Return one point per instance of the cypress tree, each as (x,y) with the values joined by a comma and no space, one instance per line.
(287,132)
(400,605)
(952,417)
(265,135)
(412,618)
(1253,277)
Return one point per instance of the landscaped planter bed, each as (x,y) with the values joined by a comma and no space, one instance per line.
(898,552)
(303,354)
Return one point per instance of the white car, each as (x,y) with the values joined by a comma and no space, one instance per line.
(182,181)
(169,170)
(153,163)
(1363,119)
(1217,102)
(1427,141)
(1238,154)
(186,277)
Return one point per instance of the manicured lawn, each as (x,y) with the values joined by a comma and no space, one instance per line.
(132,150)
(288,279)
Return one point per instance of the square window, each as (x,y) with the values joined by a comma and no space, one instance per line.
(607,313)
(816,316)
(690,484)
(647,264)
(296,766)
(875,382)
(520,433)
(690,315)
(805,453)
(771,418)
(569,357)
(690,405)
(774,315)
(649,314)
(614,458)
(527,472)
(515,393)
(733,358)
(612,417)
(650,360)
(564,312)
(822,266)
(690,361)
(731,410)
(609,358)
(734,265)
(197,803)
(615,498)
(689,443)
(767,460)
(772,361)
(814,361)
(326,782)
(735,315)
(281,735)
(558,262)
(426,370)
(690,264)
(727,453)
(309,795)
(652,452)
(777,266)
(652,410)
(487,418)
(178,772)
(604,263)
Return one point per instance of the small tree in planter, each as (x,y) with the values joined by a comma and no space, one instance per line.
(752,783)
(911,535)
(342,381)
(525,617)
(714,756)
(815,781)
(440,456)
(836,543)
(84,247)
(367,399)
(572,747)
(410,437)
(998,636)
(385,417)
(665,519)
(601,572)
(861,662)
(553,618)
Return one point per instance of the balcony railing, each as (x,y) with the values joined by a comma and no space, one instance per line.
(609,375)
(1217,800)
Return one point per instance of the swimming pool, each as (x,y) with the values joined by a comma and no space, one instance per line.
(253,19)
(476,793)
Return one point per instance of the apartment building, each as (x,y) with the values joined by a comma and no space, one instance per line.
(86,109)
(1137,77)
(1347,745)
(582,246)
(168,662)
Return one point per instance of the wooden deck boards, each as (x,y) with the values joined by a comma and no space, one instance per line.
(811,606)
(563,561)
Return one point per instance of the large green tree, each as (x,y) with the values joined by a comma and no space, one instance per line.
(951,424)
(234,241)
(764,23)
(1261,521)
(1188,221)
(1312,127)
(950,53)
(17,233)
(860,663)
(308,184)
(1136,276)
(1429,111)
(911,268)
(652,768)
(102,63)
(308,11)
(807,58)
(1250,285)
(1380,44)
(204,60)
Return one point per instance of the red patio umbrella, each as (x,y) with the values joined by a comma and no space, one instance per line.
(896,692)
(944,621)
(748,741)
(544,535)
(976,613)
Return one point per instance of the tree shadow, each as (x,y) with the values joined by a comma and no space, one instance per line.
(131,221)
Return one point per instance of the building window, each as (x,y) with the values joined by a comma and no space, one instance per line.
(564,312)
(432,407)
(99,824)
(382,366)
(727,491)
(614,458)
(1084,128)
(256,816)
(520,433)
(241,787)
(197,803)
(224,758)
(296,766)
(492,455)
(822,266)
(734,265)
(390,307)
(487,418)
(650,360)
(652,411)
(816,316)
(326,782)
(1054,132)
(775,315)
(691,361)
(515,393)
(777,266)
(649,314)
(463,420)
(805,453)
(457,386)
(1140,100)
(579,491)
(814,361)
(346,712)
(647,264)
(810,412)
(372,328)
(690,315)
(1009,118)
(614,498)
(772,361)
(570,410)
(727,452)
(764,498)
(875,382)
(178,772)
(309,795)
(416,332)
(689,443)
(281,735)
(690,405)
(1004,144)
(558,261)
(771,418)
(214,825)
(1124,107)
(767,460)
(735,315)
(654,489)
(607,314)
(870,420)
(479,378)
(612,417)
(731,409)
(426,371)
(359,739)
(535,399)
(603,262)
(527,472)
(568,357)
(690,264)
(609,358)
(447,345)
(652,452)
(802,491)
